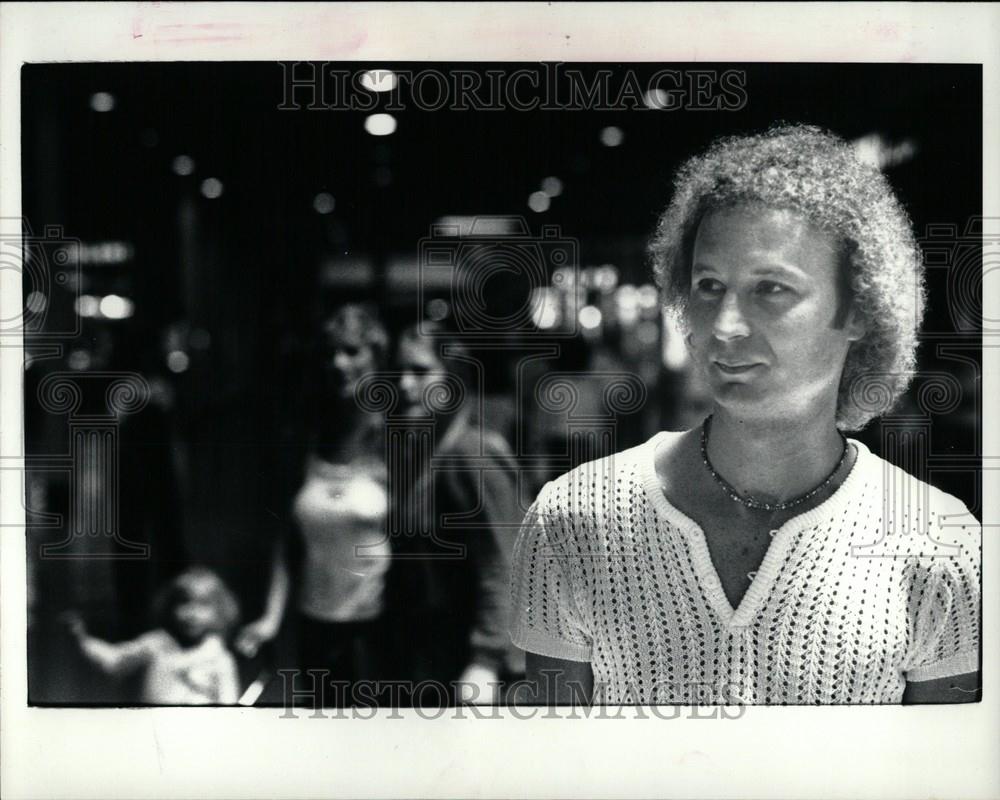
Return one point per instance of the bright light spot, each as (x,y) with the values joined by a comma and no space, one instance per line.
(612,136)
(875,150)
(36,302)
(379,80)
(211,188)
(656,99)
(590,317)
(627,304)
(115,307)
(183,165)
(606,278)
(380,124)
(102,101)
(86,305)
(106,253)
(437,309)
(538,202)
(867,149)
(545,308)
(324,203)
(564,277)
(178,361)
(649,298)
(552,186)
(79,360)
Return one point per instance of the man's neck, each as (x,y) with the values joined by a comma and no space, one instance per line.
(776,460)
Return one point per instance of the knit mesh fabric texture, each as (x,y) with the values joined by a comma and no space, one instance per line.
(878,585)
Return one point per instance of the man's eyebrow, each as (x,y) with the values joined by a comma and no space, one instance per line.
(779,269)
(770,269)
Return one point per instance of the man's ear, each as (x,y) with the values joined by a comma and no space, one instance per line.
(855,325)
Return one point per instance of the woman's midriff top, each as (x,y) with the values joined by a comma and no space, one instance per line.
(341,512)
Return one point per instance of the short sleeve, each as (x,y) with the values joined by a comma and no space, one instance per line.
(945,605)
(544,615)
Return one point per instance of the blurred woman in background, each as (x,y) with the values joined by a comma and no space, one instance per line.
(339,511)
(449,596)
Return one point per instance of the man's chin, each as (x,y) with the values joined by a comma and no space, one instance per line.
(747,398)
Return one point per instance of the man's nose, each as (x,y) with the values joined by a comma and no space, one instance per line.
(729,321)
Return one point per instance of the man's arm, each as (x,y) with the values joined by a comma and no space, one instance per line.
(558,681)
(966,688)
(489,552)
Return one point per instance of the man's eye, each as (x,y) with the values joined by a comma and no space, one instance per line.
(771,288)
(708,286)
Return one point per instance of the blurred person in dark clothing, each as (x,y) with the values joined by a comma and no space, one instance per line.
(448,586)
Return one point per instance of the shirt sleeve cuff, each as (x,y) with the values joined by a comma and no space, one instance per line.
(958,664)
(543,644)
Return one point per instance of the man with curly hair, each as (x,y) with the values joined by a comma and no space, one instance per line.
(764,557)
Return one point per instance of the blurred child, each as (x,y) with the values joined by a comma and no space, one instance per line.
(186,658)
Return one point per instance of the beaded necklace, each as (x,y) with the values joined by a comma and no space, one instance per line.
(749,501)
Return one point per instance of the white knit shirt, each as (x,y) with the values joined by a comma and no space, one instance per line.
(876,586)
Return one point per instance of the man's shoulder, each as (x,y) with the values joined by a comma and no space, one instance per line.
(923,518)
(900,485)
(592,479)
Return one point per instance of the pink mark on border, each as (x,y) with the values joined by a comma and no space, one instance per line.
(145,26)
(189,39)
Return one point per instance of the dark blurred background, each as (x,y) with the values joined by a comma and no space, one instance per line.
(217,230)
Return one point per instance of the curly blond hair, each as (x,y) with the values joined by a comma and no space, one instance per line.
(818,175)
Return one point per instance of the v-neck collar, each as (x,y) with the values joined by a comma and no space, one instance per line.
(777,551)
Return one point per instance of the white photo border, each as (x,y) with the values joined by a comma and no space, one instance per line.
(845,752)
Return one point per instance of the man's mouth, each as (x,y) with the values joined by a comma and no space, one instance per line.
(735,368)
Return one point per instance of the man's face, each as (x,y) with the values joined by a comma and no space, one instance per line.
(419,367)
(763,300)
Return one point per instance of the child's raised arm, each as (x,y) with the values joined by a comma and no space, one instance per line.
(114,659)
